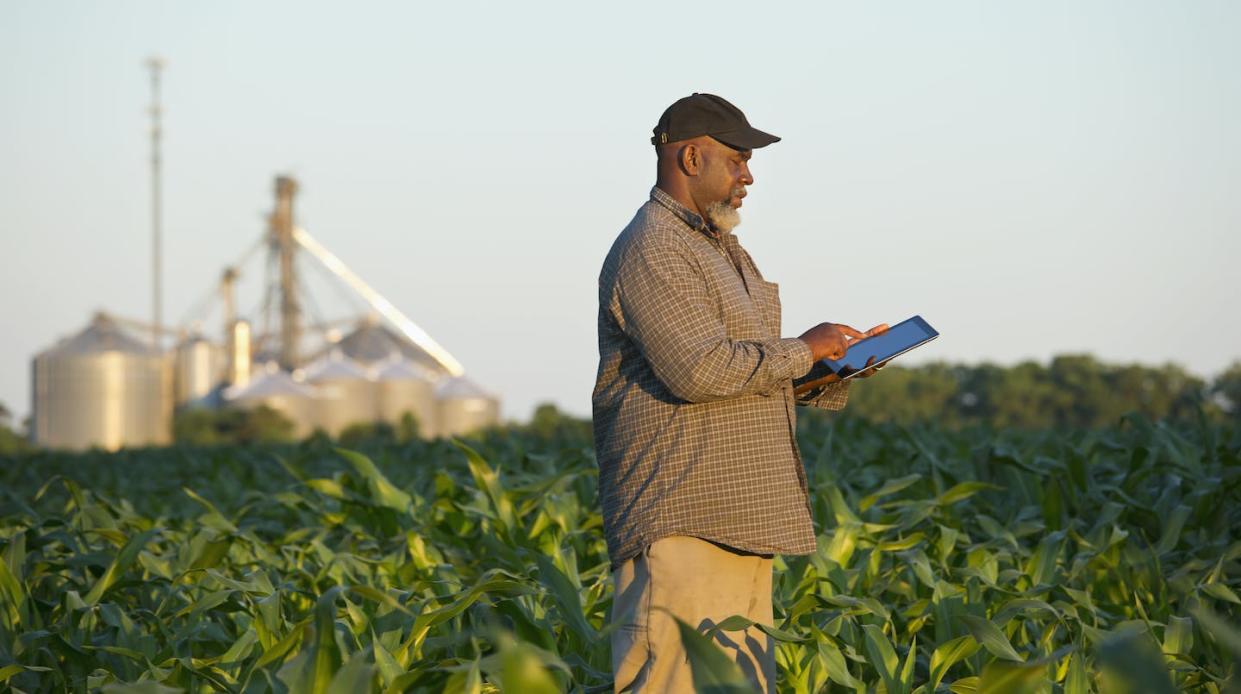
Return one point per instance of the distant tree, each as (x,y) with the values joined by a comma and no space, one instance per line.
(228,425)
(408,428)
(1227,388)
(361,432)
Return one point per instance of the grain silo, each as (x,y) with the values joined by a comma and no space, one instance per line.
(346,393)
(276,389)
(402,386)
(464,407)
(101,388)
(199,367)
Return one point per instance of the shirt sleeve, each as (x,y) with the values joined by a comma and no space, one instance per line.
(833,396)
(661,302)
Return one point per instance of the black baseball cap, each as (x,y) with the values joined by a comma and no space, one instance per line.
(707,114)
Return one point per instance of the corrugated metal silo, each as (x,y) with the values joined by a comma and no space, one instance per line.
(464,407)
(403,386)
(102,388)
(276,389)
(346,393)
(198,368)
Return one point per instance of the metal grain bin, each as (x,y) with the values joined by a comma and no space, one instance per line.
(402,386)
(101,387)
(198,369)
(464,407)
(276,389)
(346,393)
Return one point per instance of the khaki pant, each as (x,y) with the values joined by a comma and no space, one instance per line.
(701,583)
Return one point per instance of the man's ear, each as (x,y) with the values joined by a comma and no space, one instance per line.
(690,159)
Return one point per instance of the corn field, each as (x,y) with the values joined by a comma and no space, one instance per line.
(962,561)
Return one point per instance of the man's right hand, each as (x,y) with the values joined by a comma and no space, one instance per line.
(830,340)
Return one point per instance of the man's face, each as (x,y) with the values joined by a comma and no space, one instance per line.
(726,173)
(722,182)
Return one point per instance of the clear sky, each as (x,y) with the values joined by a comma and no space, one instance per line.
(1034,178)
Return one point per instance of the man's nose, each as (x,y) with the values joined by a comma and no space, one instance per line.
(746,177)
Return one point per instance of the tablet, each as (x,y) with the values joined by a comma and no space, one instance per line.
(883,347)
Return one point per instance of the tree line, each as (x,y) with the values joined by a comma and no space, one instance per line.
(1076,391)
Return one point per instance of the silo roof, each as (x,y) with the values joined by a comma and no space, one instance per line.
(102,335)
(267,384)
(401,369)
(462,388)
(335,367)
(372,342)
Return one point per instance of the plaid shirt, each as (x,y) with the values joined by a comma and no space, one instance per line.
(694,416)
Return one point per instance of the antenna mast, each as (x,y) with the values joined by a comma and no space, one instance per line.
(155,64)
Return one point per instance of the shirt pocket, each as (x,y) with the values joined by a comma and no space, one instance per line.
(767,297)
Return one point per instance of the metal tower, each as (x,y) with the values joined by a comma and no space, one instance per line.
(155,64)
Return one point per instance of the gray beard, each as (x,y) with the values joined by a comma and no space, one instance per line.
(723,216)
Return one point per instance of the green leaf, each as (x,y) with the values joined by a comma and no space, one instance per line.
(566,597)
(948,654)
(1220,591)
(382,492)
(991,638)
(965,685)
(371,593)
(522,670)
(1178,636)
(712,670)
(963,491)
(284,645)
(14,596)
(1228,635)
(119,565)
(1172,529)
(389,669)
(739,623)
(889,487)
(1131,663)
(882,656)
(907,672)
(1076,680)
(488,480)
(1013,678)
(356,677)
(326,655)
(834,661)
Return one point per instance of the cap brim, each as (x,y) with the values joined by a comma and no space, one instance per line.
(746,138)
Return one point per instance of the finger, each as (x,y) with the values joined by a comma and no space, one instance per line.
(851,332)
(878,329)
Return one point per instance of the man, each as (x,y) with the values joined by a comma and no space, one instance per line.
(700,478)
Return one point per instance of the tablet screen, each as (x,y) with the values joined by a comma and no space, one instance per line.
(899,339)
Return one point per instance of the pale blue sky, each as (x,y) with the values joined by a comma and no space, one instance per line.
(1033,178)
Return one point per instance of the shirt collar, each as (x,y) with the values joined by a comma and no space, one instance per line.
(683,213)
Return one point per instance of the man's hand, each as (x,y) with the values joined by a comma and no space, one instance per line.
(882,327)
(831,340)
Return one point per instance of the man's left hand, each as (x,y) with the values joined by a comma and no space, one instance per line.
(878,329)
